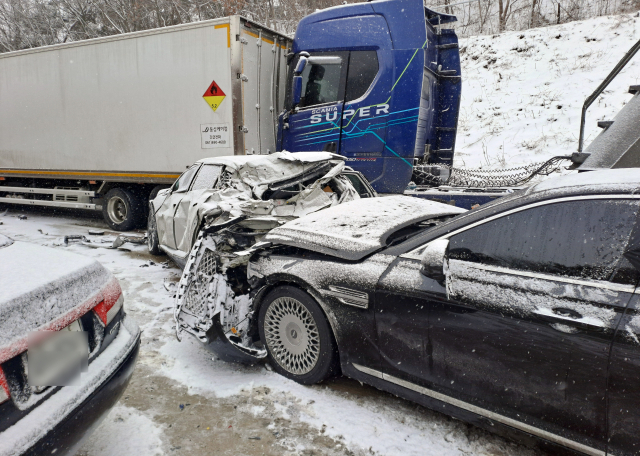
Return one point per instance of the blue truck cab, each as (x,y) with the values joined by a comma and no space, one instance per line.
(378,83)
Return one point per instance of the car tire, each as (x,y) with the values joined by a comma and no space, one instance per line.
(153,242)
(299,341)
(122,209)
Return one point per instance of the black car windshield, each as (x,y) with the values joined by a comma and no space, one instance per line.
(5,241)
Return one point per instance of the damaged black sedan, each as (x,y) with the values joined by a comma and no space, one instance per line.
(521,317)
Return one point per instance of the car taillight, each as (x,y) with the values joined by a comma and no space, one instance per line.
(4,388)
(107,311)
(111,304)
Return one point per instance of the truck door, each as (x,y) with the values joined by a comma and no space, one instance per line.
(315,123)
(365,115)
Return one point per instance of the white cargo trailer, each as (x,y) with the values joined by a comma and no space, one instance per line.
(103,123)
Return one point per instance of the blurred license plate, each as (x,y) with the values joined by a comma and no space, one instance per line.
(59,358)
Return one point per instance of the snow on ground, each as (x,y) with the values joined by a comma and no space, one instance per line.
(183,399)
(522,92)
(126,431)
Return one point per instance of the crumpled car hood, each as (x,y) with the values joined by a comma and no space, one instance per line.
(358,228)
(39,284)
(242,196)
(260,171)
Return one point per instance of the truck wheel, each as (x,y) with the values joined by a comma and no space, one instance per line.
(122,209)
(297,336)
(152,233)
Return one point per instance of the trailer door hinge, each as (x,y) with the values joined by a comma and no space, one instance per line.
(244,41)
(244,77)
(243,129)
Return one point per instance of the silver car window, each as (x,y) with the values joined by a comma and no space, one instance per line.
(207,177)
(183,182)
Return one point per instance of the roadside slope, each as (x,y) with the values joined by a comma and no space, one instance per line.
(523,92)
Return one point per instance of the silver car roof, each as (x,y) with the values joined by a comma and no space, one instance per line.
(237,161)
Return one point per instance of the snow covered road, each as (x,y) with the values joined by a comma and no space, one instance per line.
(184,400)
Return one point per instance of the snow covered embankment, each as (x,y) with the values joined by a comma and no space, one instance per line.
(523,92)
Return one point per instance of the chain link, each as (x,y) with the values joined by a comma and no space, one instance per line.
(488,178)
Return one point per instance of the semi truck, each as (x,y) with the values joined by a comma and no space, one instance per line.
(103,124)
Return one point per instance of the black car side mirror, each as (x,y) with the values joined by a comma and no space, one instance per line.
(433,258)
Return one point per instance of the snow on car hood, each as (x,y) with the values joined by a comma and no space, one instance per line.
(259,171)
(358,228)
(242,195)
(39,284)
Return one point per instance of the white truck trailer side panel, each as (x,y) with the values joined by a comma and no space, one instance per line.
(128,103)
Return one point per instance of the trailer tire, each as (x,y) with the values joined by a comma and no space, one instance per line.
(122,209)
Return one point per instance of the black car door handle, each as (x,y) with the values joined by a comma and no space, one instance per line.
(567,317)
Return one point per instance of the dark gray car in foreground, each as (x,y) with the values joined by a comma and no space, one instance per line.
(520,317)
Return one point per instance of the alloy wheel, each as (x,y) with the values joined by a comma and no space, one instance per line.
(292,335)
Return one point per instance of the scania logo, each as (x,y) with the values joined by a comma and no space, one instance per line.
(331,114)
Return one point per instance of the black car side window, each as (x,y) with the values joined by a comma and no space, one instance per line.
(582,239)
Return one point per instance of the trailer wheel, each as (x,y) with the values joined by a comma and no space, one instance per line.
(122,209)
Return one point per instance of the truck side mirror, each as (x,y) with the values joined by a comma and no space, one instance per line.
(300,66)
(433,258)
(296,90)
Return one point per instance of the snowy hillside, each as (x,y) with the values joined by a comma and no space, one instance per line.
(523,92)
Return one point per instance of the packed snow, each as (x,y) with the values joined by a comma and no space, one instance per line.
(522,92)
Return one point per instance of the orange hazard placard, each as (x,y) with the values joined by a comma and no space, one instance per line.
(214,96)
